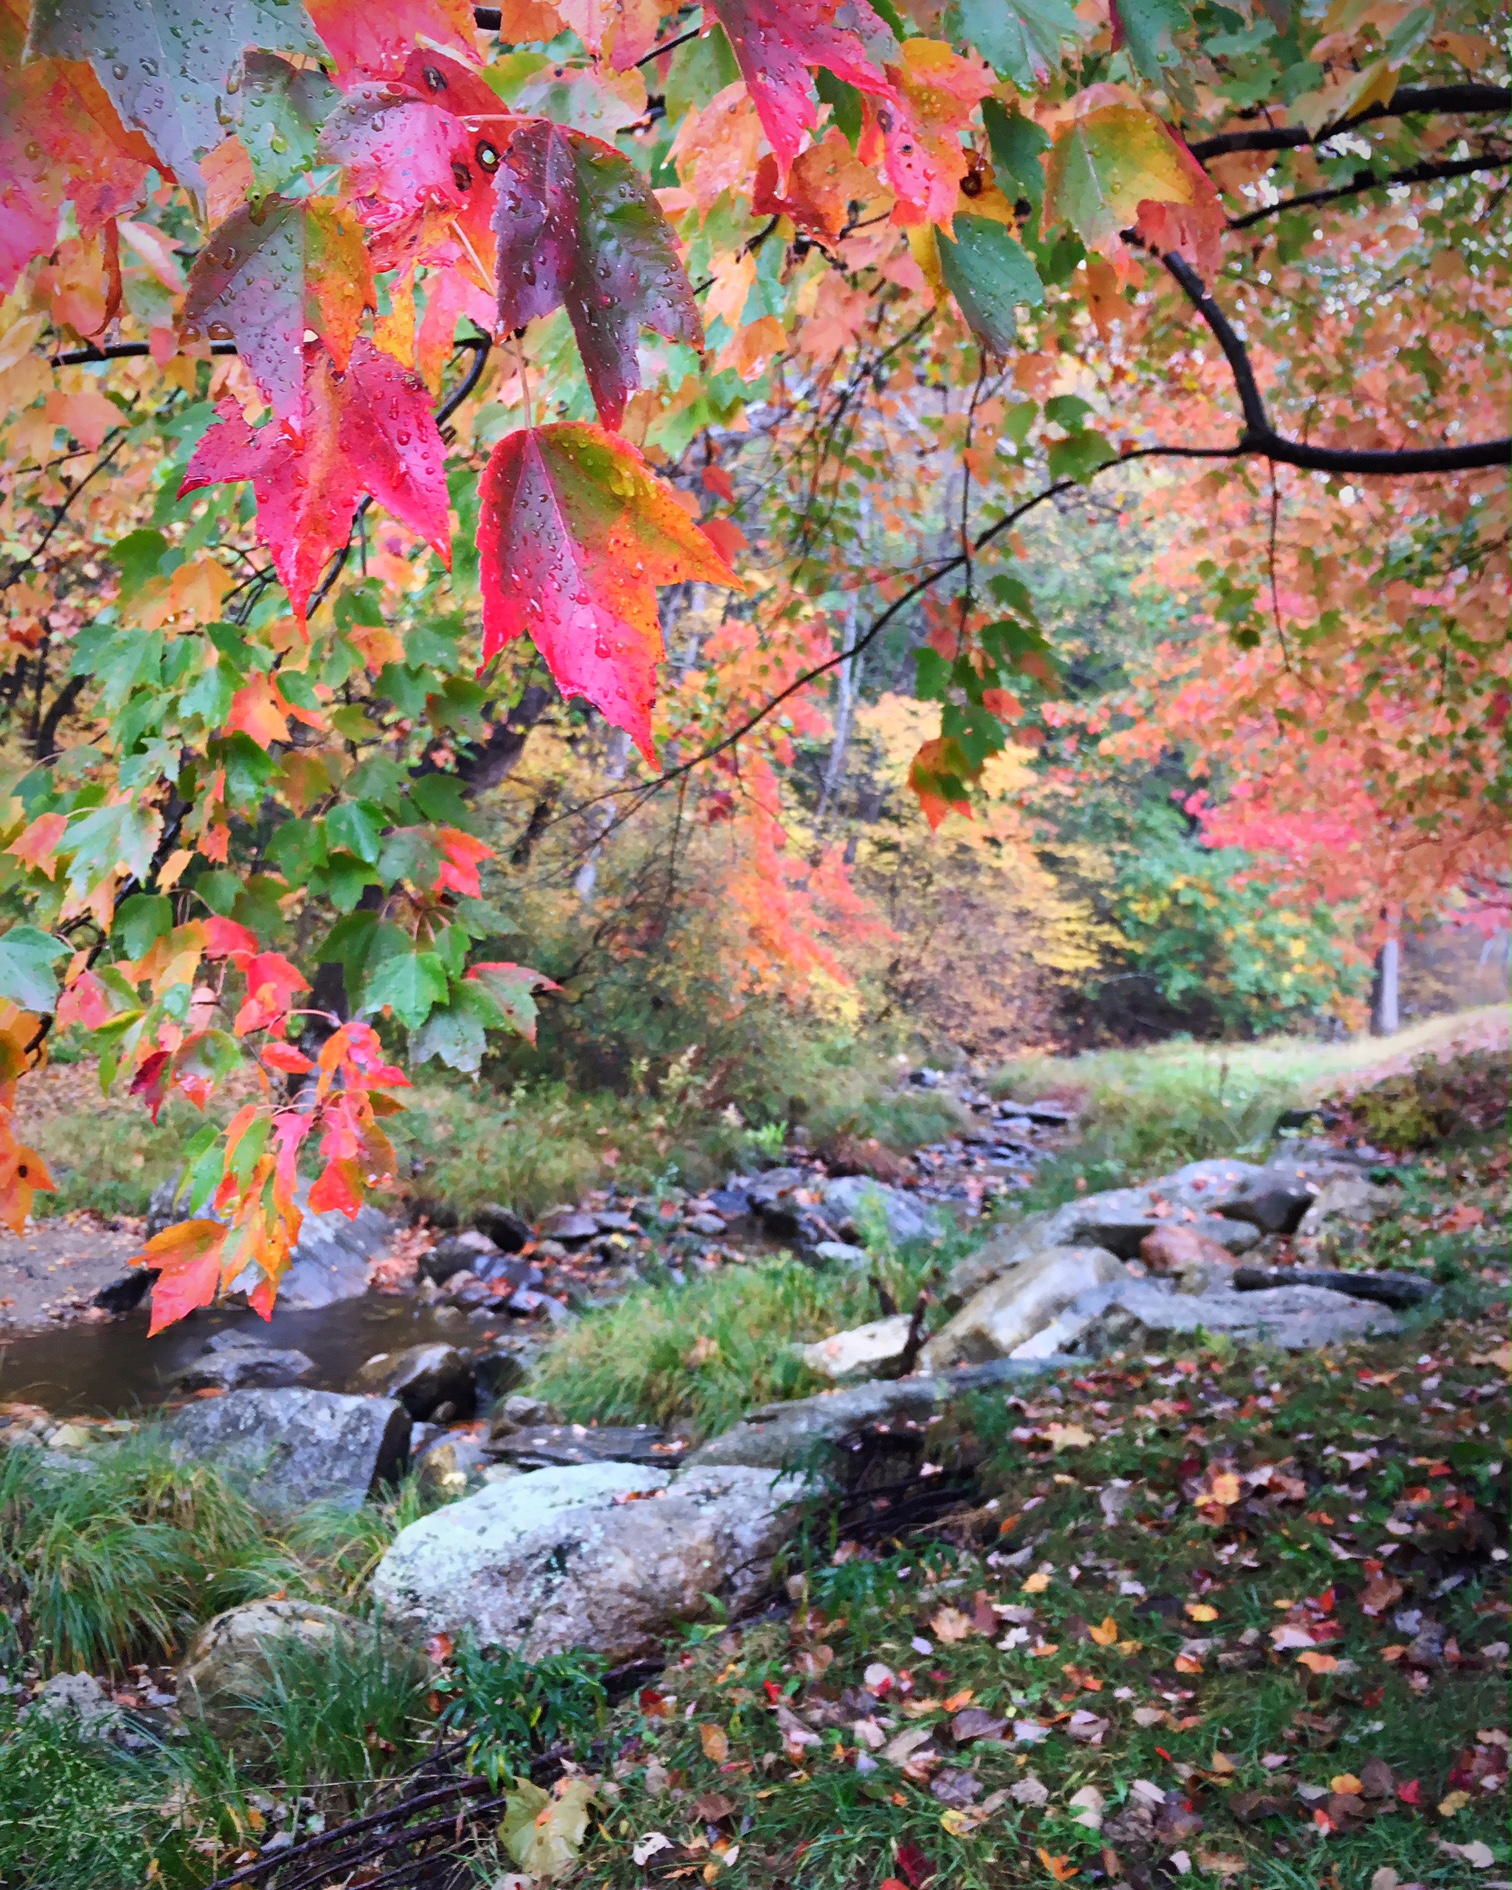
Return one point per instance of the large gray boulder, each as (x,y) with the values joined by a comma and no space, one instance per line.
(1143,1315)
(1000,1318)
(862,1349)
(610,1558)
(294,1446)
(330,1262)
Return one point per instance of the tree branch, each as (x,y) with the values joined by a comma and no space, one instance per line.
(1261,438)
(122,351)
(1404,103)
(645,789)
(1367,180)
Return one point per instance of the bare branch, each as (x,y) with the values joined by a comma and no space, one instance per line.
(1367,180)
(1261,438)
(1405,102)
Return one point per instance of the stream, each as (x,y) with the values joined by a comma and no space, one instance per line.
(115,1370)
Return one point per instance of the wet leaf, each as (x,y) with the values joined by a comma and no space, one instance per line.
(575,533)
(578,227)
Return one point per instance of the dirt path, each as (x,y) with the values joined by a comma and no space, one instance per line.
(1485,1031)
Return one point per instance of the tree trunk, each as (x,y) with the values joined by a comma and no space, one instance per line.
(1384,1016)
(848,679)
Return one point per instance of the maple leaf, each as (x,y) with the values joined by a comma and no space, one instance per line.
(919,123)
(622,31)
(187,1260)
(510,988)
(379,39)
(775,43)
(991,278)
(269,274)
(939,775)
(1117,166)
(1022,39)
(368,430)
(60,136)
(543,1831)
(171,68)
(402,150)
(23,1173)
(579,227)
(574,534)
(823,181)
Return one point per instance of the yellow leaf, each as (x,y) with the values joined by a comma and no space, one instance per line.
(1456,1801)
(715,1745)
(1037,1583)
(1222,1766)
(950,1624)
(542,1831)
(1200,1611)
(1318,1663)
(1345,1782)
(1068,1437)
(1107,1634)
(1187,1663)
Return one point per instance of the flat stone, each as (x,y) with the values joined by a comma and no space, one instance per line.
(779,1434)
(606,1558)
(294,1446)
(236,1361)
(570,1226)
(1131,1315)
(859,1349)
(837,1253)
(613,1222)
(1000,1318)
(78,1697)
(544,1446)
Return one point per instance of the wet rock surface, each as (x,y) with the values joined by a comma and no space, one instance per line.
(291,1447)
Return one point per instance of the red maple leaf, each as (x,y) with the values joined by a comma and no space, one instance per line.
(367,430)
(578,226)
(777,41)
(574,535)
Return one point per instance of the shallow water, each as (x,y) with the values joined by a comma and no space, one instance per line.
(115,1369)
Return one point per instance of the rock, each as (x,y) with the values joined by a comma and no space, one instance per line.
(458,1253)
(614,1222)
(1012,1309)
(78,1697)
(606,1558)
(850,1201)
(550,1446)
(1202,1185)
(1340,1213)
(1051,1115)
(330,1263)
(711,1226)
(1004,1249)
(294,1446)
(451,1465)
(507,1272)
(1276,1199)
(1138,1315)
(498,1367)
(127,1293)
(1386,1289)
(517,1411)
(732,1203)
(508,1231)
(424,1378)
(570,1226)
(234,1361)
(837,1253)
(845,1353)
(779,1434)
(228,1660)
(1191,1259)
(857,1155)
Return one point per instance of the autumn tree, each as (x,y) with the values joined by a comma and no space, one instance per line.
(370,369)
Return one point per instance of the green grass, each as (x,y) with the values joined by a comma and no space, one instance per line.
(704,1354)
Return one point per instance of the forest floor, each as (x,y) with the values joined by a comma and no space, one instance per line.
(1231,1617)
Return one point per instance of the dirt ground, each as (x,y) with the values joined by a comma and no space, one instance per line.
(55,1268)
